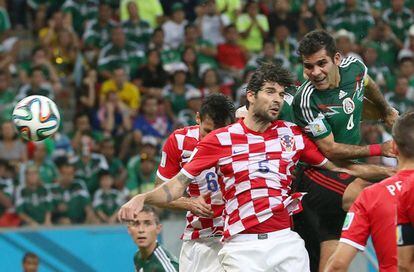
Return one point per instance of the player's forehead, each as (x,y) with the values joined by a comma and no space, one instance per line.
(270,85)
(312,59)
(145,216)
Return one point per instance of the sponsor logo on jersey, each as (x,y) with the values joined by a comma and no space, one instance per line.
(348,220)
(348,105)
(342,94)
(288,143)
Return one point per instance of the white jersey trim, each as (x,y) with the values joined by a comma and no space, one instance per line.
(352,243)
(322,163)
(186,173)
(162,177)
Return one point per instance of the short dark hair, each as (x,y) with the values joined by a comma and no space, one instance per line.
(150,209)
(315,41)
(219,108)
(269,72)
(29,255)
(103,173)
(403,134)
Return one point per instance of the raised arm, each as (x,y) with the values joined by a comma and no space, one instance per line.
(364,171)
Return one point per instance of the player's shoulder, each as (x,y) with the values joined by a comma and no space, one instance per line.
(189,131)
(303,93)
(168,260)
(352,64)
(288,126)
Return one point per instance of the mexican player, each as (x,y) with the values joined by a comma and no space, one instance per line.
(328,107)
(201,238)
(375,212)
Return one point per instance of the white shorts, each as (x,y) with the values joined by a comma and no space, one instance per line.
(200,255)
(279,251)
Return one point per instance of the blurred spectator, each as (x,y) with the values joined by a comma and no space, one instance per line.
(168,54)
(151,78)
(241,91)
(38,85)
(269,55)
(115,166)
(211,83)
(46,167)
(151,122)
(408,50)
(398,99)
(48,35)
(252,26)
(6,194)
(30,262)
(88,164)
(282,15)
(87,95)
(399,18)
(149,10)
(70,198)
(33,201)
(319,12)
(9,44)
(120,53)
(82,127)
(231,56)
(174,28)
(380,73)
(406,69)
(106,200)
(232,8)
(7,95)
(174,93)
(205,50)
(38,10)
(65,53)
(211,22)
(77,12)
(191,65)
(187,117)
(353,17)
(285,44)
(141,173)
(127,92)
(11,147)
(345,42)
(189,6)
(136,29)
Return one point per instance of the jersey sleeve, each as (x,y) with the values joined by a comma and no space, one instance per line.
(205,155)
(356,227)
(170,159)
(311,153)
(307,114)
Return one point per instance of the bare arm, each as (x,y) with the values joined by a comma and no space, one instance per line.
(341,259)
(337,151)
(181,204)
(364,171)
(406,258)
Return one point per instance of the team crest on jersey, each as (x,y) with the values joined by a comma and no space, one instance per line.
(348,220)
(348,105)
(288,143)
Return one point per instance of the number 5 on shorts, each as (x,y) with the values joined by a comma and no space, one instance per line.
(211,182)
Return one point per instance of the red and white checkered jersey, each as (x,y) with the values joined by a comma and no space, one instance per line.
(175,154)
(255,170)
(406,199)
(374,213)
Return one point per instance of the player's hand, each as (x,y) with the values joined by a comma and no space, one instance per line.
(200,207)
(391,115)
(130,210)
(387,150)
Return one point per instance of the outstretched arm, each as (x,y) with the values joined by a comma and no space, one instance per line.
(364,171)
(341,259)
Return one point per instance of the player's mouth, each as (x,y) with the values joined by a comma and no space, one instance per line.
(319,80)
(274,110)
(141,239)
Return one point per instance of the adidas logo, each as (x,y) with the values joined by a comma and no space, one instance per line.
(342,94)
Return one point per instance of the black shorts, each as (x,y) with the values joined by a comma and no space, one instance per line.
(323,203)
(405,235)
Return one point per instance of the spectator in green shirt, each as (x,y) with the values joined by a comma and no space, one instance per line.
(116,167)
(136,29)
(6,97)
(33,201)
(398,99)
(399,18)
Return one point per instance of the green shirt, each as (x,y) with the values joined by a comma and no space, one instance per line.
(130,57)
(159,261)
(6,105)
(6,187)
(139,32)
(89,171)
(203,59)
(357,21)
(107,202)
(4,20)
(401,104)
(399,22)
(136,182)
(337,111)
(34,202)
(47,171)
(75,197)
(97,35)
(81,11)
(254,41)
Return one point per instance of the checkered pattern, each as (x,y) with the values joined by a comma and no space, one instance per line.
(175,154)
(255,169)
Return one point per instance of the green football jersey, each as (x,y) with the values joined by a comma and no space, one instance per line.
(107,202)
(159,261)
(337,111)
(35,202)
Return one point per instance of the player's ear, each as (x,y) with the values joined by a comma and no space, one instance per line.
(159,228)
(250,96)
(337,58)
(198,119)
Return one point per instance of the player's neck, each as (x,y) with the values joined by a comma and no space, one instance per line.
(405,164)
(254,124)
(147,251)
(334,78)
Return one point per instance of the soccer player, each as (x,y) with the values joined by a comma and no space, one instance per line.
(151,255)
(30,262)
(328,107)
(375,210)
(254,158)
(203,231)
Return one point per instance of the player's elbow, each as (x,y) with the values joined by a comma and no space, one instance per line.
(330,152)
(336,264)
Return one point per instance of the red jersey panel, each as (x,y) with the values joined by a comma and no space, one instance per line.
(406,199)
(255,171)
(175,154)
(375,213)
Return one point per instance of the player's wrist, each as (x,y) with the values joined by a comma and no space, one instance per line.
(375,150)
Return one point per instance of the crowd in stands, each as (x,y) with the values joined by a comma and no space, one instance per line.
(126,73)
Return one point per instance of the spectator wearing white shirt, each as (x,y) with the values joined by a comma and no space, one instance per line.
(212,22)
(174,28)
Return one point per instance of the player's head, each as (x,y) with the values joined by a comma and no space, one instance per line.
(32,175)
(106,180)
(265,92)
(216,111)
(146,227)
(403,134)
(320,58)
(30,262)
